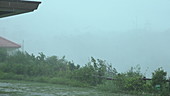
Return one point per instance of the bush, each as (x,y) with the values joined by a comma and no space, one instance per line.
(159,78)
(3,54)
(5,76)
(110,86)
(130,81)
(94,72)
(23,66)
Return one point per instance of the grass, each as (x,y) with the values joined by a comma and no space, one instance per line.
(111,87)
(27,88)
(24,88)
(43,79)
(4,93)
(107,87)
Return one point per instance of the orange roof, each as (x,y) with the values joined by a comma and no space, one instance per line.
(4,43)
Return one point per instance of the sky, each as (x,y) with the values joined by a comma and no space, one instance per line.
(125,33)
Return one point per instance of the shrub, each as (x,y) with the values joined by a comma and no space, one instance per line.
(159,78)
(3,54)
(110,86)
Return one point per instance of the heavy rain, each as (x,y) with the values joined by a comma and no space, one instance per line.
(83,43)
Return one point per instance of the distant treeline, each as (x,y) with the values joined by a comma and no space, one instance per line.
(24,66)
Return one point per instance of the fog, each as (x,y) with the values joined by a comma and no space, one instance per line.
(122,32)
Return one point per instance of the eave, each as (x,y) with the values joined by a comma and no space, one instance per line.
(15,7)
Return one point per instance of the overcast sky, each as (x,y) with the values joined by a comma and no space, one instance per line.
(122,32)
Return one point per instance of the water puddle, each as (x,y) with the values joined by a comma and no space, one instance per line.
(42,89)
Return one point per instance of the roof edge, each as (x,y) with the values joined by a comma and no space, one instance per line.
(21,1)
(15,7)
(17,45)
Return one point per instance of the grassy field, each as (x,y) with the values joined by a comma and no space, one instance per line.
(22,88)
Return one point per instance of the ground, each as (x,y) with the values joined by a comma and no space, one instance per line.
(22,88)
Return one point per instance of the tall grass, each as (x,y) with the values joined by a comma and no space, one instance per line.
(109,86)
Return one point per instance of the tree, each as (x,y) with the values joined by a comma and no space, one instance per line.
(130,80)
(159,78)
(3,54)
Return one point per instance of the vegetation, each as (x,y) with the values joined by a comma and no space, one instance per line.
(159,82)
(23,66)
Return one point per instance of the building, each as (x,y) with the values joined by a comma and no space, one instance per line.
(10,8)
(10,46)
(15,7)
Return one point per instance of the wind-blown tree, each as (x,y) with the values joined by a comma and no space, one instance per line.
(130,80)
(94,72)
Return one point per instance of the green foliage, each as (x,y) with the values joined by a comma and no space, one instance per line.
(85,74)
(148,86)
(133,79)
(11,76)
(3,54)
(130,81)
(159,77)
(92,73)
(23,66)
(110,86)
(165,91)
